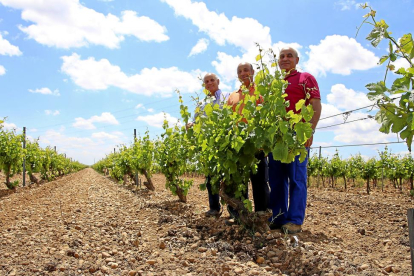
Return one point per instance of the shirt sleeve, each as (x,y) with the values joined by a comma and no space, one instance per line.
(312,87)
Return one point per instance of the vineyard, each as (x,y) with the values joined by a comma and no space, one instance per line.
(140,210)
(37,161)
(395,170)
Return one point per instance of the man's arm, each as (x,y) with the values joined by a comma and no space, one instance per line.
(317,109)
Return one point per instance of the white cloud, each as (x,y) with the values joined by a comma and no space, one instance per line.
(63,142)
(280,45)
(105,135)
(7,49)
(45,91)
(2,70)
(84,149)
(360,132)
(402,63)
(141,106)
(99,75)
(105,117)
(67,23)
(157,120)
(347,99)
(200,47)
(226,65)
(9,126)
(339,55)
(365,130)
(346,4)
(241,32)
(51,112)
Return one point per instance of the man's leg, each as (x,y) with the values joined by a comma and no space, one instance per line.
(278,180)
(213,200)
(297,191)
(260,186)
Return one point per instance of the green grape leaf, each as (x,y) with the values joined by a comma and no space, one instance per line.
(383,59)
(406,42)
(303,131)
(299,104)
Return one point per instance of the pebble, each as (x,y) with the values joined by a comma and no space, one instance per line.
(202,249)
(270,254)
(151,262)
(388,268)
(110,260)
(238,270)
(260,260)
(104,269)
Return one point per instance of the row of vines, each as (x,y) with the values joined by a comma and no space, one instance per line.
(394,169)
(46,162)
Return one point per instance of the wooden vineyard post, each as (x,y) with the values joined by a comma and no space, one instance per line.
(319,170)
(136,173)
(410,215)
(382,174)
(24,159)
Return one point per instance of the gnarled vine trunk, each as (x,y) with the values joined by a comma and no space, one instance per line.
(148,183)
(181,194)
(33,178)
(257,221)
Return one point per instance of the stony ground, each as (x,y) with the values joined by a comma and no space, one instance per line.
(85,223)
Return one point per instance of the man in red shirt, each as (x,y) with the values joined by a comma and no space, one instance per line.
(288,181)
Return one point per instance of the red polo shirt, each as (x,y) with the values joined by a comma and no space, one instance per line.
(300,83)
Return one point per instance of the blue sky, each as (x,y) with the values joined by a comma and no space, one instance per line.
(82,76)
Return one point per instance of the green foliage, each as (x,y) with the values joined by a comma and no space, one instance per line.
(143,155)
(11,154)
(174,152)
(33,153)
(396,117)
(355,164)
(47,161)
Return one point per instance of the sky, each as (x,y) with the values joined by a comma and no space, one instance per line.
(82,75)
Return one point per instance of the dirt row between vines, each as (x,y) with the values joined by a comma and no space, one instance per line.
(85,224)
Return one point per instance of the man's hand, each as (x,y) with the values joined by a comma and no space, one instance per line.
(309,142)
(317,109)
(189,125)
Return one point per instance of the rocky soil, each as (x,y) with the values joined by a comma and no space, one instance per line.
(85,223)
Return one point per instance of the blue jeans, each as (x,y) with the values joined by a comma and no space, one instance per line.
(288,190)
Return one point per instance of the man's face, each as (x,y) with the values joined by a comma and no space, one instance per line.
(211,83)
(288,59)
(245,73)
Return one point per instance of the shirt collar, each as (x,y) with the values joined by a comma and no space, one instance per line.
(292,73)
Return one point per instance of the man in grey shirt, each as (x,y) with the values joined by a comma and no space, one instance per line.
(211,83)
